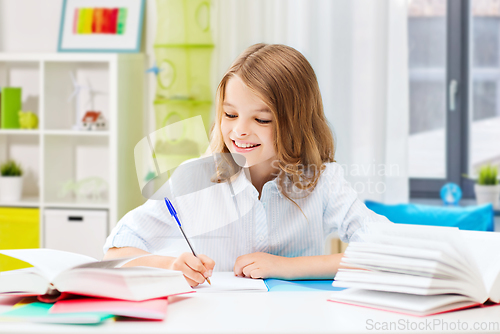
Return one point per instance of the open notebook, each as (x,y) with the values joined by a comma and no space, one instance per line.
(228,282)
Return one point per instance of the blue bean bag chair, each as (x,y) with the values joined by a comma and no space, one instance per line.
(475,218)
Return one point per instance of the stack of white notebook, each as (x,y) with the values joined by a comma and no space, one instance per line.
(421,270)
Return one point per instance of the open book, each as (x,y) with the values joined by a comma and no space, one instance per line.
(421,270)
(55,272)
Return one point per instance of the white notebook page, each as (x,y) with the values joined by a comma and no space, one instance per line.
(227,282)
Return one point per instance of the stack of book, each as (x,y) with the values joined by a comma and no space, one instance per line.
(421,270)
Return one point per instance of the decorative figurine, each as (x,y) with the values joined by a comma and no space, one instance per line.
(451,194)
(28,120)
(93,120)
(75,95)
(92,188)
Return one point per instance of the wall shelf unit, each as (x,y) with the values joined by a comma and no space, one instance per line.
(56,156)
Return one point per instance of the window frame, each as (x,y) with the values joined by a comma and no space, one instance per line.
(457,122)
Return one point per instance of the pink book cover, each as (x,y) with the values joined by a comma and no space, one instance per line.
(471,305)
(152,309)
(75,21)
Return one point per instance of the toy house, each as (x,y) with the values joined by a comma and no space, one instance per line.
(93,120)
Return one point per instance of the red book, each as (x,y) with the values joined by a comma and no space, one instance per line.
(114,20)
(152,309)
(94,12)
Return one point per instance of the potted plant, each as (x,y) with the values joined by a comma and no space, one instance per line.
(11,181)
(487,188)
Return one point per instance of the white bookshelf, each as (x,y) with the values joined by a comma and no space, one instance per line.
(56,153)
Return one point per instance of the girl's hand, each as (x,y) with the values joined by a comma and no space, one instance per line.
(195,269)
(263,265)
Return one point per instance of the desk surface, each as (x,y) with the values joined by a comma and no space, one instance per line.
(273,312)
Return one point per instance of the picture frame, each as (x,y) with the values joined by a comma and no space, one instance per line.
(101,26)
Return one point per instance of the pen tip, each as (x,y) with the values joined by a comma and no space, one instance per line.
(208,280)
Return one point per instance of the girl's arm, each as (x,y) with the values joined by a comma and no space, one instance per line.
(195,269)
(264,265)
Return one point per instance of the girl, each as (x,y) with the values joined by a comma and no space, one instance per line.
(269,110)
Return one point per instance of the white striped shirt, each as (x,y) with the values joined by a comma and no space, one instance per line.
(271,224)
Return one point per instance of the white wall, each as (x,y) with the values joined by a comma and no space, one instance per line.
(29,25)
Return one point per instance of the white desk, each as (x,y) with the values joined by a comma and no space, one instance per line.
(265,312)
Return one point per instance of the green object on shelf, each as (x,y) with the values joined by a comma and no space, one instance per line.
(28,120)
(184,73)
(183,50)
(11,168)
(19,228)
(10,106)
(183,22)
(171,111)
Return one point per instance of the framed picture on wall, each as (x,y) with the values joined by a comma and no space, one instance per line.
(101,26)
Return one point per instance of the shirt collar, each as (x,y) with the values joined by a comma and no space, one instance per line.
(242,181)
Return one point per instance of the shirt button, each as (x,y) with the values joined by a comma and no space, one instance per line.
(261,238)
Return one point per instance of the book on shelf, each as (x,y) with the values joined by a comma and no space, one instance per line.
(55,273)
(421,270)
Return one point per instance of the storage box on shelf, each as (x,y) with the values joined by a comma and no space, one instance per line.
(68,168)
(84,230)
(19,228)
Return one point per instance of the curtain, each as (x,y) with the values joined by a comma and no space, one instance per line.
(358,49)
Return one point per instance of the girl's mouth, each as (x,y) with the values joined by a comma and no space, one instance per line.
(244,148)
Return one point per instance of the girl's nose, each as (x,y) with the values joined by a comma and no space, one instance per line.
(240,130)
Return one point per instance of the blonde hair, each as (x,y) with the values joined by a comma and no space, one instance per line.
(285,81)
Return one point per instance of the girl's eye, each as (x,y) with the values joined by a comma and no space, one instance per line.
(229,115)
(261,121)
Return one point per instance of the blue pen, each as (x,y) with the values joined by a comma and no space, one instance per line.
(173,213)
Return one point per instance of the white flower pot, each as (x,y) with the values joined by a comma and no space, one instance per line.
(11,188)
(487,194)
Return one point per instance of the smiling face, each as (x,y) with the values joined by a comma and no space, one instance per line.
(247,124)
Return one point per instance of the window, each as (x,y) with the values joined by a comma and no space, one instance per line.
(484,112)
(454,67)
(427,72)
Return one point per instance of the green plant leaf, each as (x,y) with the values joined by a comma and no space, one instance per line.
(488,175)
(11,168)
